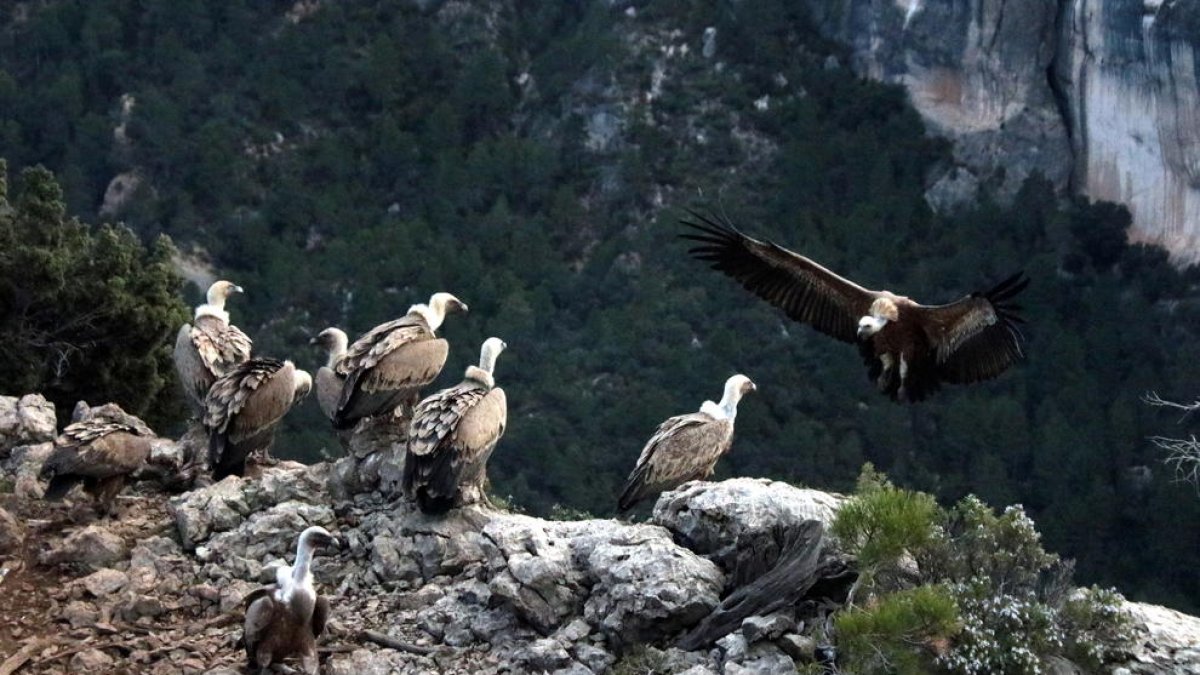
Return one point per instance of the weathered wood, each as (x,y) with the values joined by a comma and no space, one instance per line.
(798,570)
(14,663)
(390,642)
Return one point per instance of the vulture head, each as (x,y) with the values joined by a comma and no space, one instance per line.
(316,538)
(735,388)
(487,362)
(882,311)
(303,385)
(440,304)
(333,341)
(220,291)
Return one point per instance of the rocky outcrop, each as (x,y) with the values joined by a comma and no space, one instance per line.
(1097,95)
(26,420)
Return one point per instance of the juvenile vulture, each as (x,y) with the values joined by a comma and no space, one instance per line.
(210,346)
(329,383)
(389,365)
(452,435)
(909,348)
(99,452)
(285,619)
(686,447)
(243,408)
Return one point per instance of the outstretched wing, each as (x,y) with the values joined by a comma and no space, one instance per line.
(976,338)
(800,287)
(683,448)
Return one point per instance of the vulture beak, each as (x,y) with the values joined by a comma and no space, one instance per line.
(315,340)
(461,306)
(237,289)
(750,386)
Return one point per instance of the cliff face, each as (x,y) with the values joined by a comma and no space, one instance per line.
(1098,95)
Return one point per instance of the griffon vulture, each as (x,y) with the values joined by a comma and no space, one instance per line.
(452,435)
(285,619)
(210,346)
(99,452)
(389,365)
(329,383)
(686,447)
(909,348)
(243,408)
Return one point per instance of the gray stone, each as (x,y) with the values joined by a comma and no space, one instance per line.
(104,582)
(93,547)
(756,628)
(762,659)
(91,661)
(1167,640)
(23,465)
(595,658)
(12,534)
(27,420)
(542,655)
(733,646)
(800,647)
(80,614)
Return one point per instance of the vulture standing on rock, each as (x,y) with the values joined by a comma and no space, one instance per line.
(686,447)
(99,452)
(286,619)
(389,365)
(209,347)
(329,383)
(243,408)
(909,348)
(452,435)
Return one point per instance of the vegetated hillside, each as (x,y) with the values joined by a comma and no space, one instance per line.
(344,160)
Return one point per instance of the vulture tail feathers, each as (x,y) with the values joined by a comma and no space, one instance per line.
(632,494)
(60,485)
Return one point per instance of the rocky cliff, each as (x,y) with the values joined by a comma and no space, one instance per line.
(159,588)
(1100,96)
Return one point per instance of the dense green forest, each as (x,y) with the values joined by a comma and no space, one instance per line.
(342,161)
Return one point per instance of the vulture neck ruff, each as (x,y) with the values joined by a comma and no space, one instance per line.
(214,310)
(727,408)
(432,317)
(481,376)
(337,349)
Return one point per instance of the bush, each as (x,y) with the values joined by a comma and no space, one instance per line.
(901,633)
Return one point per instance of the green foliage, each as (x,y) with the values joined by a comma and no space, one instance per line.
(884,522)
(85,313)
(898,634)
(1010,601)
(641,660)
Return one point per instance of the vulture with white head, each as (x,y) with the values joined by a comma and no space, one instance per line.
(452,435)
(210,346)
(909,348)
(286,618)
(244,407)
(100,452)
(389,365)
(686,447)
(329,383)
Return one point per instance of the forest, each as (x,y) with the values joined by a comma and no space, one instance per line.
(342,161)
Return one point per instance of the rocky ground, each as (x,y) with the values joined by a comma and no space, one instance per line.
(158,587)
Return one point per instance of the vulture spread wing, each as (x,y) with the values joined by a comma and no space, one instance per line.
(977,337)
(683,448)
(803,289)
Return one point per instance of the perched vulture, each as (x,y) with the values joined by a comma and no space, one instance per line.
(389,365)
(209,347)
(452,435)
(909,348)
(285,619)
(98,452)
(686,447)
(329,383)
(243,407)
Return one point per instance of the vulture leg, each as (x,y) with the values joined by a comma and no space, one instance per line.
(903,377)
(106,493)
(308,662)
(886,375)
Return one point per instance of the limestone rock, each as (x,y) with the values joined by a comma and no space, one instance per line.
(23,465)
(1168,641)
(94,547)
(27,420)
(91,661)
(12,533)
(104,582)
(756,628)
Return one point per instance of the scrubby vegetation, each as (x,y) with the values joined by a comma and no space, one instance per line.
(342,164)
(964,590)
(86,313)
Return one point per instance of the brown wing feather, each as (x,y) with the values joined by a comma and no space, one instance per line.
(409,366)
(195,376)
(265,405)
(97,451)
(381,340)
(806,291)
(480,428)
(259,616)
(233,392)
(320,616)
(221,346)
(329,390)
(683,448)
(975,338)
(436,417)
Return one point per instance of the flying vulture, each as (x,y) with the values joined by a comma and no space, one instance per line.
(452,435)
(329,383)
(99,452)
(243,408)
(686,447)
(909,348)
(286,618)
(389,365)
(209,347)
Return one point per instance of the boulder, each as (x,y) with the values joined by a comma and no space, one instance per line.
(12,533)
(27,420)
(1168,641)
(91,661)
(23,465)
(104,582)
(93,547)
